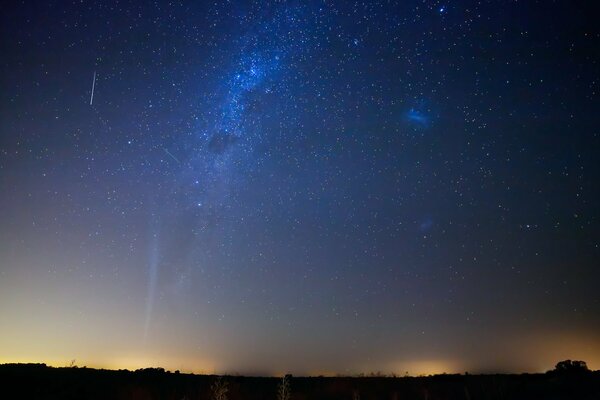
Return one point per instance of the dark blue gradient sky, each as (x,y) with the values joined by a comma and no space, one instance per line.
(307,187)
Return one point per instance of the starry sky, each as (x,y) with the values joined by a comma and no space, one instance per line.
(314,187)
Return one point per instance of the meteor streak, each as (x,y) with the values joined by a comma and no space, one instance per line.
(172,156)
(93,86)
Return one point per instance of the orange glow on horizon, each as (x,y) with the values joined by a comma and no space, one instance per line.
(536,353)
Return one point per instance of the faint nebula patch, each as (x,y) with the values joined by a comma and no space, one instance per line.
(418,117)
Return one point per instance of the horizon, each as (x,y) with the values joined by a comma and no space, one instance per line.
(423,368)
(303,186)
(371,374)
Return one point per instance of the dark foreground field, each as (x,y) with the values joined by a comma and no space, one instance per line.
(36,381)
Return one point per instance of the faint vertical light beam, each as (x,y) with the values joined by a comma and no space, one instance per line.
(152,278)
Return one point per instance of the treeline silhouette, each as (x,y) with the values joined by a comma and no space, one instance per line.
(568,380)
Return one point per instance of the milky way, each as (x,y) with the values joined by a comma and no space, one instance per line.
(226,145)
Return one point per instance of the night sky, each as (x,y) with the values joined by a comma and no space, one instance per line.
(313,187)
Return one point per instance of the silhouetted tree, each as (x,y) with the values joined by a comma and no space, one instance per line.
(570,367)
